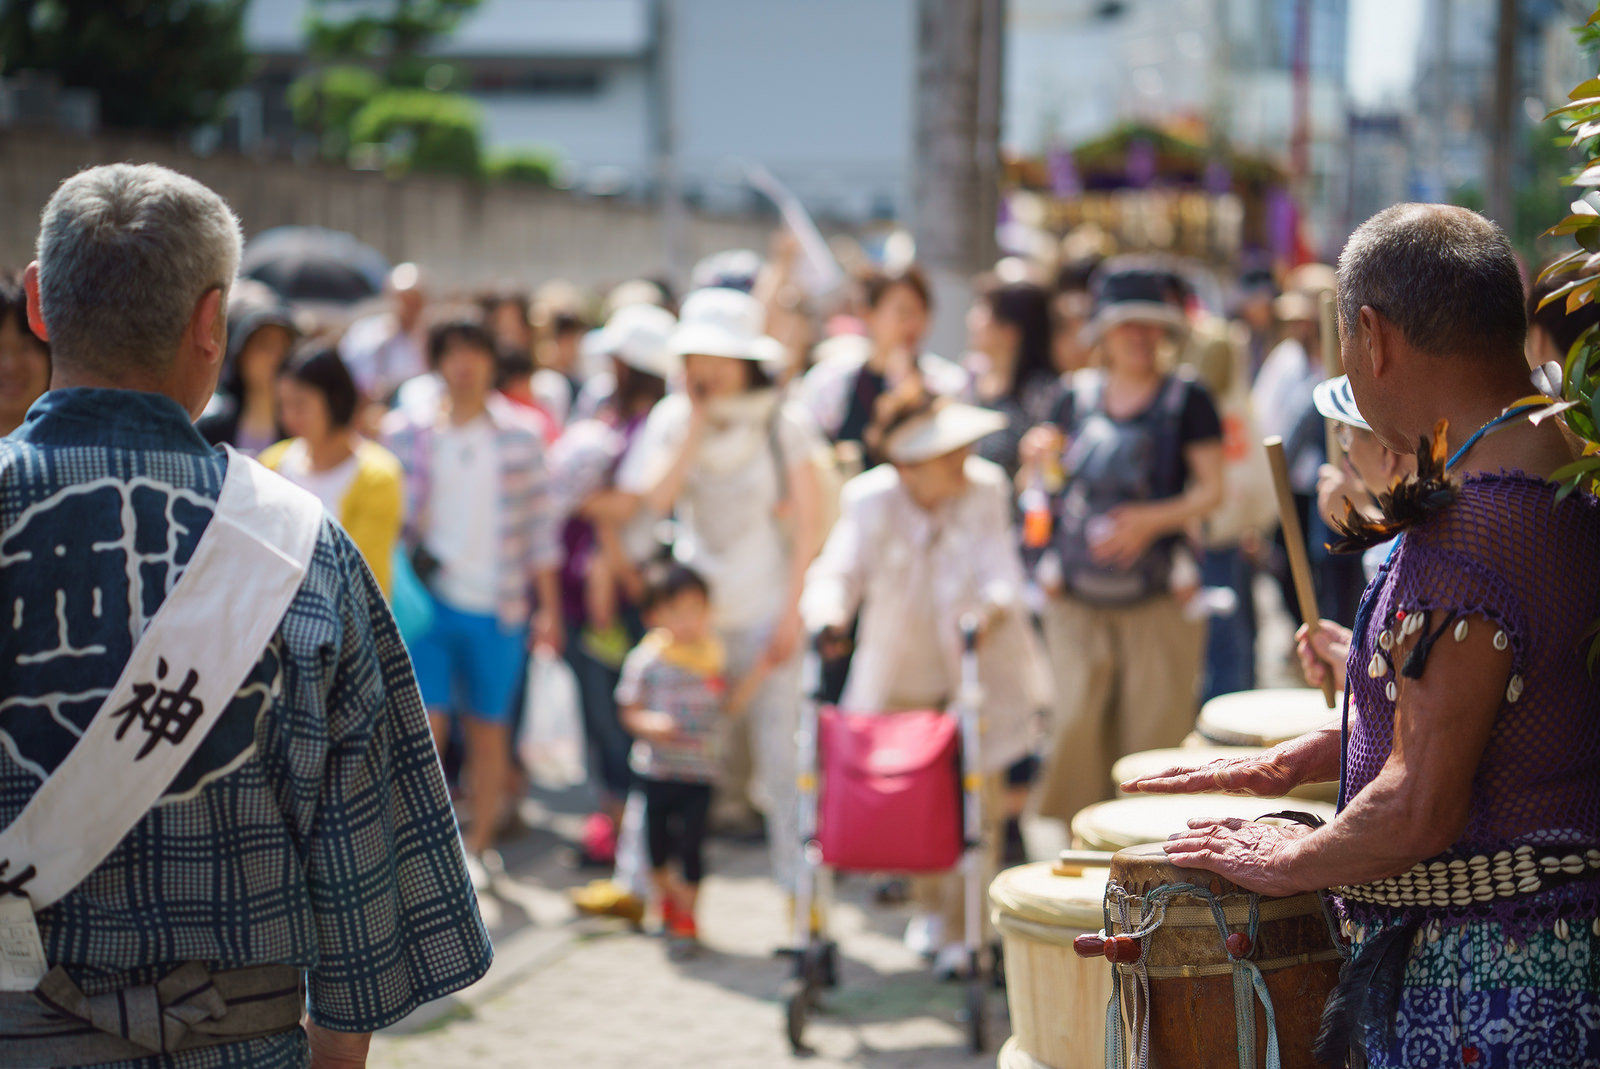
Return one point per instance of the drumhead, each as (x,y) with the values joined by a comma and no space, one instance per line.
(1152,818)
(1035,893)
(1263,718)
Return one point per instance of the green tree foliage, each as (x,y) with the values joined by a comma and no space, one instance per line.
(326,101)
(396,34)
(423,131)
(525,166)
(159,64)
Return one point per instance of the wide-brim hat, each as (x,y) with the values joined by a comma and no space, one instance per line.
(640,336)
(725,322)
(1295,307)
(1135,292)
(1335,400)
(942,429)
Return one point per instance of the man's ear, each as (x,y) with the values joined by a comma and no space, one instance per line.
(208,326)
(30,285)
(1372,342)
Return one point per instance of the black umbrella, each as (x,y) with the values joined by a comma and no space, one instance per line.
(311,263)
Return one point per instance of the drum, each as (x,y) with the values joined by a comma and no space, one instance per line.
(1151,818)
(1057,999)
(1192,1010)
(1263,718)
(1149,762)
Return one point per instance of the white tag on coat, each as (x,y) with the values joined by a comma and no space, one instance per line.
(22,963)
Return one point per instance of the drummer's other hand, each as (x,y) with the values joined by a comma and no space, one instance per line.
(1251,854)
(1322,651)
(1255,774)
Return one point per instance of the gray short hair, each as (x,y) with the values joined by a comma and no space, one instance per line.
(1446,276)
(125,252)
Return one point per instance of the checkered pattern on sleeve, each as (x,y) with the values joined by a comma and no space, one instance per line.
(327,842)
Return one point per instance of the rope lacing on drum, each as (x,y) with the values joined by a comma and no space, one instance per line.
(1248,982)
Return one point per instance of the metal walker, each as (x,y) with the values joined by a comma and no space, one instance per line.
(815,954)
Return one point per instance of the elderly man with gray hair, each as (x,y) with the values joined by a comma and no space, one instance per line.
(219,800)
(1465,857)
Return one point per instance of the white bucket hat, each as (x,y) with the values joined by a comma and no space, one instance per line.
(943,429)
(1335,401)
(724,322)
(638,335)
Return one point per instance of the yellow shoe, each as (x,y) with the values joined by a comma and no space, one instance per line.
(816,916)
(602,898)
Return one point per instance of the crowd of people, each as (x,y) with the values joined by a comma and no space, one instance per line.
(683,494)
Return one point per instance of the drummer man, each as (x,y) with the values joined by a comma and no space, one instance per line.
(1472,740)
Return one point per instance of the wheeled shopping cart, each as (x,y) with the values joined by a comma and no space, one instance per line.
(885,793)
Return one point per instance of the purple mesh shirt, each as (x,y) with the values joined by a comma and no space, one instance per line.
(1504,551)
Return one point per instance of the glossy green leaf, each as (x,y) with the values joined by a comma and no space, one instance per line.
(1578,467)
(1566,263)
(1576,105)
(1588,88)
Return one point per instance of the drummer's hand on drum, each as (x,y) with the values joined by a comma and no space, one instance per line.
(1251,854)
(1258,774)
(1322,651)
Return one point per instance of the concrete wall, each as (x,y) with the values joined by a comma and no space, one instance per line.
(463,232)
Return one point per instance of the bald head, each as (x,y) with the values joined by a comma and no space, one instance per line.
(1445,277)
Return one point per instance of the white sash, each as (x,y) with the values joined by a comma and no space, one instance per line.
(198,650)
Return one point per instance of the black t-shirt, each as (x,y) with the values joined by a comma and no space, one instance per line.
(1198,419)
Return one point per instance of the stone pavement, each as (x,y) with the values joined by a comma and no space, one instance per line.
(567,992)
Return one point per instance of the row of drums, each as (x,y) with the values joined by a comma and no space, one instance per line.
(1058,999)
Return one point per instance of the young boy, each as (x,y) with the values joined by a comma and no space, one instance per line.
(671,697)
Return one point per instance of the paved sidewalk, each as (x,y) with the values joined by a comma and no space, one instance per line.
(592,993)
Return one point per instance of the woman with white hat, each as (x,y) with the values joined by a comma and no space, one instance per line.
(921,541)
(1141,446)
(736,465)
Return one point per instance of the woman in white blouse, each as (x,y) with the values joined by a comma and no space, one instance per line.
(919,543)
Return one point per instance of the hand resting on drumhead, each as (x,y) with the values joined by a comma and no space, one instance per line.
(1414,808)
(1246,852)
(1312,758)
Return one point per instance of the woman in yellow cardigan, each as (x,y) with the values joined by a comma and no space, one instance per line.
(359,482)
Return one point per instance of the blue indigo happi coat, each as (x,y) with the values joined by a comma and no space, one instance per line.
(311,828)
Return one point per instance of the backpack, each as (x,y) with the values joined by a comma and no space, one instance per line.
(1111,463)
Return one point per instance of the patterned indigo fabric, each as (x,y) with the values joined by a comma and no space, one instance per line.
(1474,997)
(530,515)
(1505,556)
(311,828)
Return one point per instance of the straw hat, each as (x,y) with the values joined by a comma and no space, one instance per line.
(724,322)
(638,335)
(940,430)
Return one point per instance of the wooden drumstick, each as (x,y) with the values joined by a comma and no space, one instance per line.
(1294,540)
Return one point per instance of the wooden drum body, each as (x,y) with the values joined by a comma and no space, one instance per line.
(1192,997)
(1057,999)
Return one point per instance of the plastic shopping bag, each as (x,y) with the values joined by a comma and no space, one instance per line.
(551,742)
(409,599)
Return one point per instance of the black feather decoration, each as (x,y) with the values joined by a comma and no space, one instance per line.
(1366,999)
(1407,503)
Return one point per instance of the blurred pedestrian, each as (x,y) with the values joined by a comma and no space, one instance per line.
(244,414)
(608,543)
(558,379)
(24,356)
(842,391)
(1141,447)
(481,526)
(358,481)
(1010,364)
(922,541)
(673,698)
(737,464)
(271,857)
(387,348)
